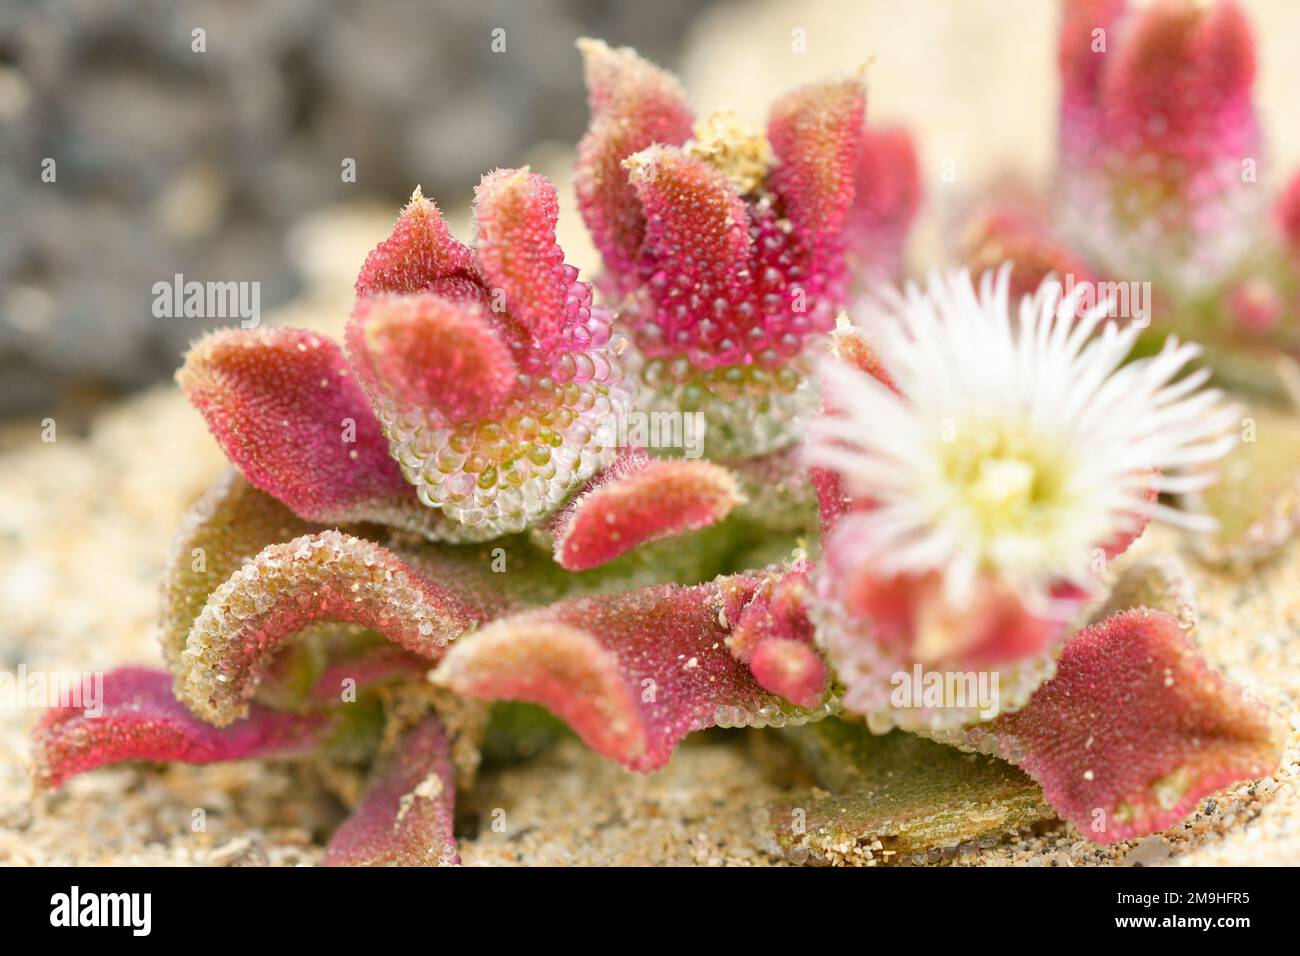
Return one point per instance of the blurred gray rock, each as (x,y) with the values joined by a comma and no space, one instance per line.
(175,161)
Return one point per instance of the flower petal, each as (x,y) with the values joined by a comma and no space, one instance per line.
(420,604)
(632,673)
(421,353)
(634,104)
(141,720)
(286,409)
(1134,729)
(405,818)
(638,500)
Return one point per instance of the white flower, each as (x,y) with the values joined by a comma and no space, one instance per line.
(1015,447)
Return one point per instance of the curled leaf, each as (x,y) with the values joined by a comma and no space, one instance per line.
(330,576)
(227,526)
(138,718)
(697,223)
(405,818)
(515,214)
(639,500)
(775,636)
(632,673)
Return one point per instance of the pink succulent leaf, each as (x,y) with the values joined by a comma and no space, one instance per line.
(424,352)
(287,410)
(1181,82)
(790,669)
(775,637)
(1085,24)
(515,215)
(1156,124)
(886,195)
(1287,210)
(142,720)
(728,284)
(632,673)
(816,133)
(405,818)
(420,605)
(638,500)
(634,105)
(1134,729)
(419,255)
(1017,232)
(697,235)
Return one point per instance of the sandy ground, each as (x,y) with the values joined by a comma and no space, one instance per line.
(85,520)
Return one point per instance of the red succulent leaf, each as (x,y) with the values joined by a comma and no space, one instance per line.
(1134,729)
(417,255)
(426,352)
(790,669)
(1080,58)
(1011,233)
(638,500)
(886,195)
(632,673)
(1287,211)
(816,133)
(698,228)
(405,818)
(515,214)
(420,605)
(634,105)
(141,720)
(286,409)
(1180,83)
(775,637)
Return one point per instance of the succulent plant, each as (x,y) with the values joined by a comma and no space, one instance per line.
(443,519)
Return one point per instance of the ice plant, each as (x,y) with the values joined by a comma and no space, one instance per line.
(438,524)
(728,247)
(1010,454)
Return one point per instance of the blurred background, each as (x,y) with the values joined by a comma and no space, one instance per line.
(220,158)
